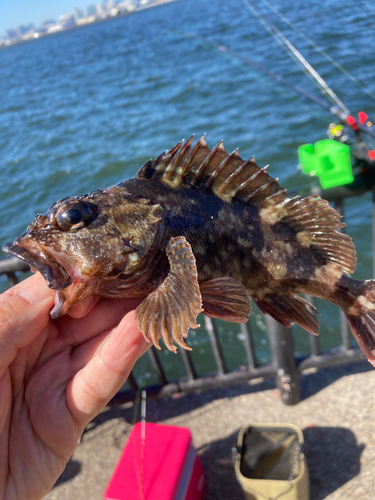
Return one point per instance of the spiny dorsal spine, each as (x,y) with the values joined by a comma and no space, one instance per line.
(230,177)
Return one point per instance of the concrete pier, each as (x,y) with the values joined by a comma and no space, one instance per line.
(337,416)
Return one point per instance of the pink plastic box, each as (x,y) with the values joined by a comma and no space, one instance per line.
(157,463)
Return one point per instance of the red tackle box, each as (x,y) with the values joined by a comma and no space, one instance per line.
(158,462)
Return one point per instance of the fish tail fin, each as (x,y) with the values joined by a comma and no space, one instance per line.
(361,318)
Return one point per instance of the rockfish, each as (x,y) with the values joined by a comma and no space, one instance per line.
(200,230)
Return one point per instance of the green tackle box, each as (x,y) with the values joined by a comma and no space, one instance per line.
(270,462)
(329,160)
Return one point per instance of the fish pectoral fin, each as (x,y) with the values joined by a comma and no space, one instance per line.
(171,309)
(225,298)
(288,309)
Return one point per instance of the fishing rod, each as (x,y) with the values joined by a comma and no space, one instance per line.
(295,54)
(337,174)
(345,115)
(362,182)
(278,78)
(321,51)
(334,110)
(329,159)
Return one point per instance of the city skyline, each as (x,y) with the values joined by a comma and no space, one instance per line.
(20,12)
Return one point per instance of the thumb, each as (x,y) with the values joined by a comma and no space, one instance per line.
(24,314)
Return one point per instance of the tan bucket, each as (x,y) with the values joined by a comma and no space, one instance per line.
(270,463)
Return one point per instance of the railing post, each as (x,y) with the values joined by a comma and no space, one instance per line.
(287,379)
(345,330)
(156,364)
(249,345)
(189,365)
(215,344)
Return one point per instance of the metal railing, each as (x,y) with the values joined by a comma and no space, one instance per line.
(10,266)
(284,367)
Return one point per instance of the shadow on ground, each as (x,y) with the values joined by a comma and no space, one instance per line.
(333,457)
(312,383)
(159,410)
(332,453)
(217,462)
(72,469)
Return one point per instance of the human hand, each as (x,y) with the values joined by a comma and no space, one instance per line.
(55,376)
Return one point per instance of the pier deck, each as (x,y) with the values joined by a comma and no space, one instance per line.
(336,416)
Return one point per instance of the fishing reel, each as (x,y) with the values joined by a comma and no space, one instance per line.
(346,158)
(363,144)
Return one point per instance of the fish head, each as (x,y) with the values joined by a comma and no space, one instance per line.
(86,240)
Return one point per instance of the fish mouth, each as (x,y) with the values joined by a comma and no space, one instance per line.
(37,257)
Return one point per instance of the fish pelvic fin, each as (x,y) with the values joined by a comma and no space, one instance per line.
(361,318)
(171,309)
(288,309)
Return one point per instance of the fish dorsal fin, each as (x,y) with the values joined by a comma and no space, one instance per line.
(229,177)
(316,224)
(226,174)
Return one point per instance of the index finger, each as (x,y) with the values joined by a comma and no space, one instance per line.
(106,314)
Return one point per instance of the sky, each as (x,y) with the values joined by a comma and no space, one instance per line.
(15,12)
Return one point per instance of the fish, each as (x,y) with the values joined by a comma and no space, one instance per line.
(200,231)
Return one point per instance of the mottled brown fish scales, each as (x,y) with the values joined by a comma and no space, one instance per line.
(200,229)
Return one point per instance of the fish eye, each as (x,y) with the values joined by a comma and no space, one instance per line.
(73,215)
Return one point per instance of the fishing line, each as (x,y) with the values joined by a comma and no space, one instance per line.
(296,55)
(355,80)
(233,56)
(241,61)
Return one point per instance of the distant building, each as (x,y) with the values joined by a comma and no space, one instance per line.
(12,34)
(48,22)
(3,42)
(91,10)
(79,13)
(54,28)
(77,17)
(67,20)
(25,29)
(46,25)
(101,10)
(128,6)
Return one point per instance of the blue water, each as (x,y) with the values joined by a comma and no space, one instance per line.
(86,108)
